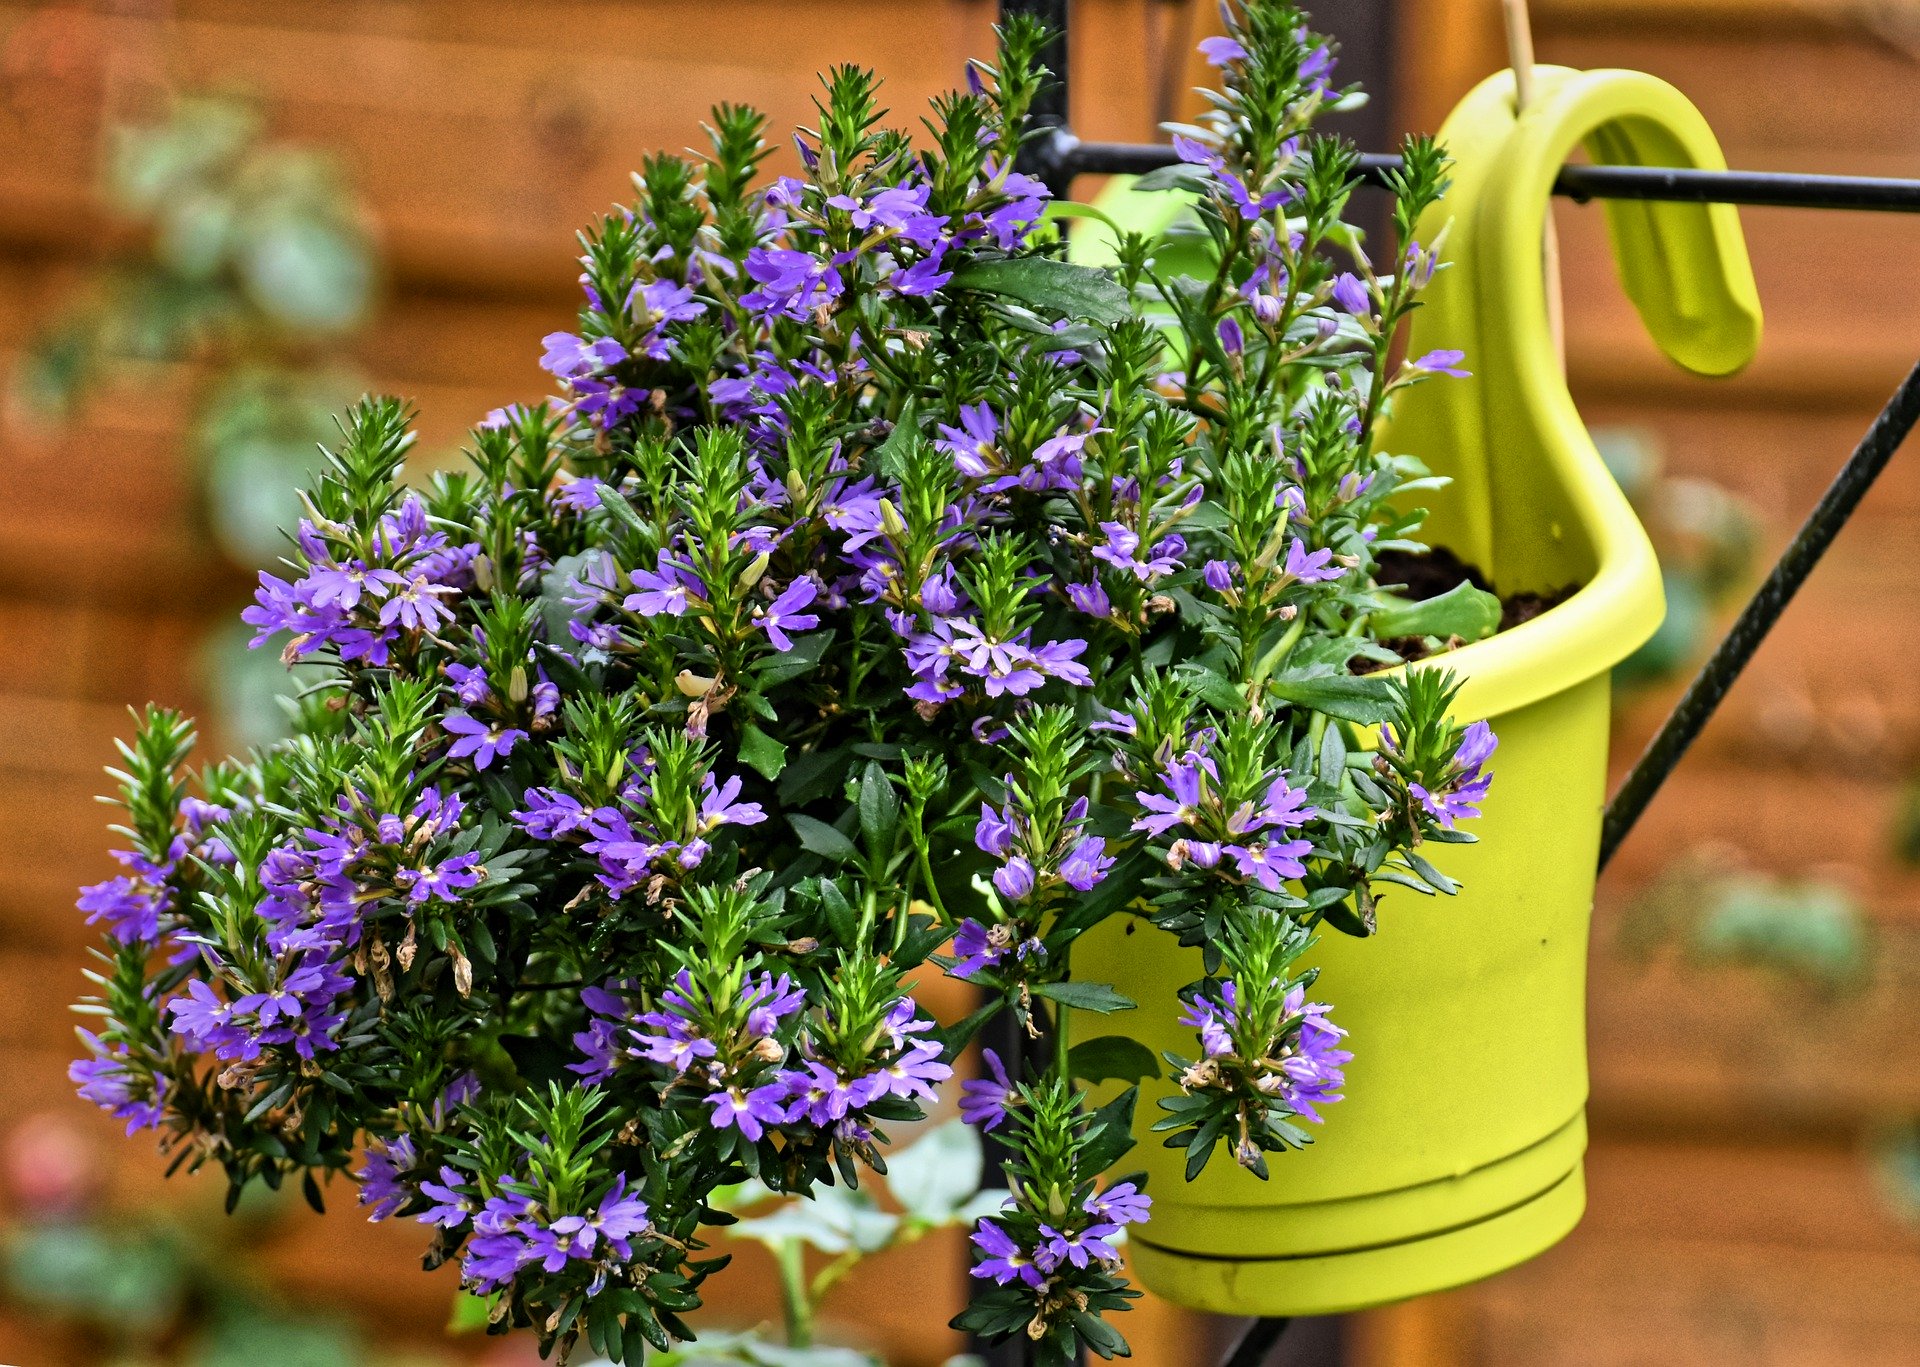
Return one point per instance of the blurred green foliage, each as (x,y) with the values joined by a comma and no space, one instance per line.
(1707,539)
(174,1285)
(1810,932)
(245,256)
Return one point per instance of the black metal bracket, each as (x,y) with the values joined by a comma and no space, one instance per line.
(1056,156)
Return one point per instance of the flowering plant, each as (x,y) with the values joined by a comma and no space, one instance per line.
(881,590)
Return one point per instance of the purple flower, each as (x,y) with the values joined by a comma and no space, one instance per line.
(1006,1261)
(1311,567)
(416,605)
(382,1188)
(1220,51)
(470,684)
(750,1113)
(1458,798)
(1079,1247)
(1251,204)
(1351,294)
(719,805)
(1123,1203)
(1182,808)
(1122,547)
(1233,340)
(481,741)
(924,277)
(1194,152)
(130,909)
(1220,575)
(993,833)
(1270,862)
(550,814)
(984,1101)
(1311,1064)
(620,1216)
(784,614)
(110,1081)
(791,283)
(1090,598)
(1086,864)
(975,947)
(664,302)
(1442,362)
(974,445)
(769,1001)
(1213,1023)
(1284,806)
(569,357)
(441,882)
(1015,879)
(451,1207)
(914,1072)
(663,590)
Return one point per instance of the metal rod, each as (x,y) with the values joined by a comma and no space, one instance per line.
(1259,1340)
(1710,685)
(1064,156)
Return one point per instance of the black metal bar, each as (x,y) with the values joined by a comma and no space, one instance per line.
(1260,1339)
(1710,685)
(1065,156)
(1057,157)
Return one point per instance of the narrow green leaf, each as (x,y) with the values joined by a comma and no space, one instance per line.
(1056,286)
(820,838)
(1085,996)
(879,806)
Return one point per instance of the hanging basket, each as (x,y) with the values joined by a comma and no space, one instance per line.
(1457,1151)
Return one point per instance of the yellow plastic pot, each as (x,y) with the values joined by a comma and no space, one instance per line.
(1457,1151)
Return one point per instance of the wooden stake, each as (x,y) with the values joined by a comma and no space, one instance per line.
(1520,58)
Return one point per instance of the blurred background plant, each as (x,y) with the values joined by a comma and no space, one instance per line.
(246,263)
(154,1284)
(1708,541)
(1810,934)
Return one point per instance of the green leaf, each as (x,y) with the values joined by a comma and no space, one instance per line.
(879,806)
(1107,1058)
(1068,208)
(469,1313)
(936,1175)
(1467,612)
(1110,1132)
(783,665)
(1057,286)
(1214,688)
(761,752)
(1180,176)
(889,457)
(820,838)
(1363,698)
(1085,996)
(616,503)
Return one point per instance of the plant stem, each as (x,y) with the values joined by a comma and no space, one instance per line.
(796,1305)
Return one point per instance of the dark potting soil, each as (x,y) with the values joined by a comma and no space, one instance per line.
(1434,572)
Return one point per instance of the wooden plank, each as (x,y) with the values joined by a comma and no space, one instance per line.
(1765,1254)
